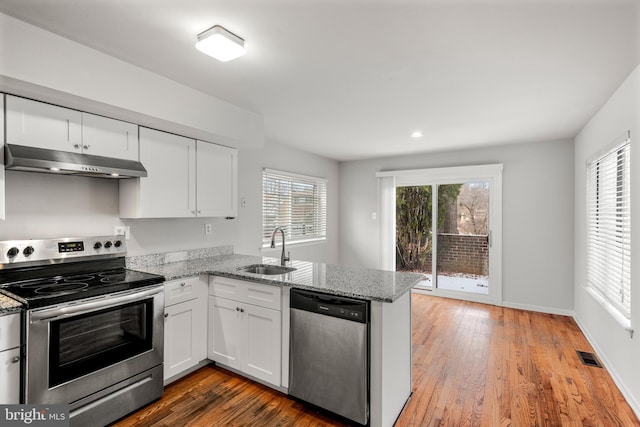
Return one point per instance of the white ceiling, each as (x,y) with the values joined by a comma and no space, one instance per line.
(351,79)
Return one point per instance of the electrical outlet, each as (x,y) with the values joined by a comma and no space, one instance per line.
(121,230)
(243,202)
(373,215)
(208,229)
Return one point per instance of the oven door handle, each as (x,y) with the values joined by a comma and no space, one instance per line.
(89,306)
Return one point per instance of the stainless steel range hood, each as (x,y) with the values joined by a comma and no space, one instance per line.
(21,158)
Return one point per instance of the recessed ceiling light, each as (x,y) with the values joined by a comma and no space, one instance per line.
(416,134)
(220,43)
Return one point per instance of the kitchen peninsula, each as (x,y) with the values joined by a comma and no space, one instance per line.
(389,293)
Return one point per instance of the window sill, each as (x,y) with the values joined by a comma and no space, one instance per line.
(298,243)
(617,316)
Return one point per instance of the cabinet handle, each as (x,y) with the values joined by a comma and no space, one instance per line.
(166,315)
(76,146)
(183,284)
(242,310)
(199,211)
(86,147)
(16,359)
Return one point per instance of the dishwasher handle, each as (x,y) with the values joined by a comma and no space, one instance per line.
(330,305)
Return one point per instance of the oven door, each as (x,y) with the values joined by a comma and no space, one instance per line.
(86,346)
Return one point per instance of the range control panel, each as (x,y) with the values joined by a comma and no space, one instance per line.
(13,252)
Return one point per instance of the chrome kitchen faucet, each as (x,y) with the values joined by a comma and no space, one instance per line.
(283,258)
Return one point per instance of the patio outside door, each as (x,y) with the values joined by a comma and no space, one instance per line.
(446,224)
(463,239)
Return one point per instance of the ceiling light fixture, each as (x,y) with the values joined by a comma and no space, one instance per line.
(416,134)
(220,43)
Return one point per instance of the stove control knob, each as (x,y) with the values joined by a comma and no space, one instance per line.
(13,252)
(107,244)
(28,251)
(97,245)
(117,243)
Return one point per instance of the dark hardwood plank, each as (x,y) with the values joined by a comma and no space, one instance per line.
(473,365)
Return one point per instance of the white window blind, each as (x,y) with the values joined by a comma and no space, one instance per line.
(297,203)
(609,228)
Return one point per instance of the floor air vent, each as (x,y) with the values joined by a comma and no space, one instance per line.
(588,359)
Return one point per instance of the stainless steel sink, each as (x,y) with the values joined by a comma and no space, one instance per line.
(266,269)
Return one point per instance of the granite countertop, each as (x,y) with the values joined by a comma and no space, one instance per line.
(369,284)
(9,305)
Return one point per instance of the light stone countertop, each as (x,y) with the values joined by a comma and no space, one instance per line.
(9,305)
(368,284)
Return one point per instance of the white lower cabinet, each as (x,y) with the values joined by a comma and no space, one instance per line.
(185,327)
(245,332)
(10,359)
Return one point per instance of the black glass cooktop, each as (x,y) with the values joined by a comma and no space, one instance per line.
(53,285)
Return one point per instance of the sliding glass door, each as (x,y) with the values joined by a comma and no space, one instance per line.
(462,262)
(445,223)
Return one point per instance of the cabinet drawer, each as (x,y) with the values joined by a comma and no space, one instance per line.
(9,331)
(181,290)
(268,296)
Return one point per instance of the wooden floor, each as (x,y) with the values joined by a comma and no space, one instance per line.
(473,364)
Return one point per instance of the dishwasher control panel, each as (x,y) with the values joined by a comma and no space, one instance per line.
(339,311)
(330,305)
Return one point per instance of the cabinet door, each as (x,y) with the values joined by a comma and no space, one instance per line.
(185,336)
(217,189)
(226,334)
(102,136)
(262,351)
(169,189)
(10,374)
(40,125)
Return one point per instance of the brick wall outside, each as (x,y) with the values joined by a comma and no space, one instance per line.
(463,253)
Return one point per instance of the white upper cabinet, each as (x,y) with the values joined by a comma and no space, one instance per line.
(169,189)
(217,184)
(185,178)
(40,125)
(102,136)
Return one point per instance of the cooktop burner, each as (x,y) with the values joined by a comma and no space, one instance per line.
(58,288)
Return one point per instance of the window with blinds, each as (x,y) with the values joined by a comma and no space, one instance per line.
(609,228)
(297,203)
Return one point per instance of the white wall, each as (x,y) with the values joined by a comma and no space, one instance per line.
(616,348)
(46,205)
(537,216)
(38,64)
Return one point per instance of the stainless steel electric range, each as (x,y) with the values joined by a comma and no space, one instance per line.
(92,329)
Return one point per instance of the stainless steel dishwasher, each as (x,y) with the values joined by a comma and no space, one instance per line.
(329,353)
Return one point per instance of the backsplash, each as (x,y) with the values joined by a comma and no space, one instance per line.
(142,261)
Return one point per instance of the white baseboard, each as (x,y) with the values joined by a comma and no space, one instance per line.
(617,379)
(539,308)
